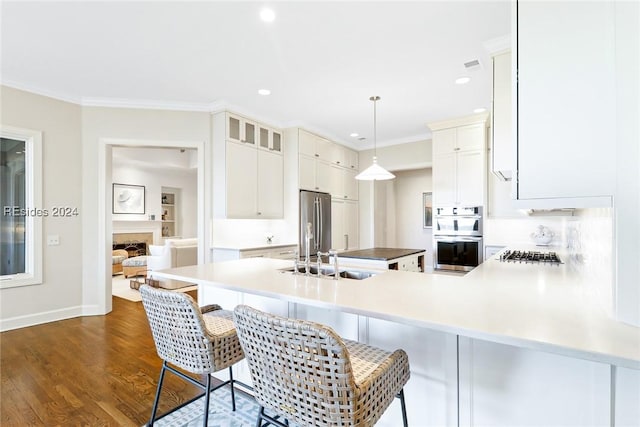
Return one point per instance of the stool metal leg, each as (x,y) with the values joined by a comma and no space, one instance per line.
(233,391)
(206,401)
(404,408)
(157,399)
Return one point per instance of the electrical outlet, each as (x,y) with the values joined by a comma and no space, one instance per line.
(53,240)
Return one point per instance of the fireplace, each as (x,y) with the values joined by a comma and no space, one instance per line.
(132,248)
(135,244)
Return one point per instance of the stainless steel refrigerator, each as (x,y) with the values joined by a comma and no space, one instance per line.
(315,208)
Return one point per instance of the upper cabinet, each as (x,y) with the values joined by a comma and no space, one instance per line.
(248,170)
(565,114)
(269,139)
(241,130)
(502,141)
(326,166)
(459,164)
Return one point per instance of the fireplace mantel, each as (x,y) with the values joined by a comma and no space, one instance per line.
(127,227)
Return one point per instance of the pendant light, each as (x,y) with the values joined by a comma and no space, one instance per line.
(375,172)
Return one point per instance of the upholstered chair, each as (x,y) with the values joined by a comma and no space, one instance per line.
(117,256)
(304,373)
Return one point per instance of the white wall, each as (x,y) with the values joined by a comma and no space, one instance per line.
(410,233)
(120,126)
(153,180)
(60,294)
(374,218)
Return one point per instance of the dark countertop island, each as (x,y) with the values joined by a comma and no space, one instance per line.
(391,258)
(381,254)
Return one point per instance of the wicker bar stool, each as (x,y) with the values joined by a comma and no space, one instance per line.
(306,374)
(198,340)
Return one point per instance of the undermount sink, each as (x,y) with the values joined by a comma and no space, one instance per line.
(329,272)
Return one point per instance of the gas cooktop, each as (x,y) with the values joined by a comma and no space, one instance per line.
(534,257)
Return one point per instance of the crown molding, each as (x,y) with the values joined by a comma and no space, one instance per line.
(460,121)
(145,104)
(498,45)
(42,92)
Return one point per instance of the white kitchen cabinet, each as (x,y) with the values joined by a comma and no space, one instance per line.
(459,139)
(314,146)
(351,159)
(242,177)
(344,225)
(502,385)
(270,185)
(350,184)
(470,182)
(565,56)
(269,139)
(255,181)
(344,324)
(325,166)
(248,177)
(277,251)
(431,393)
(459,163)
(314,174)
(502,140)
(241,129)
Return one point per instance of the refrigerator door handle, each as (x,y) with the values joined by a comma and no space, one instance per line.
(319,224)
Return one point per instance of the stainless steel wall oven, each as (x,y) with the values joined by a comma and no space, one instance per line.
(457,236)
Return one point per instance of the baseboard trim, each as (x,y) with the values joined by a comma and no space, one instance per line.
(44,317)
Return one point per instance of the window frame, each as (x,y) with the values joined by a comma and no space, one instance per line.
(33,200)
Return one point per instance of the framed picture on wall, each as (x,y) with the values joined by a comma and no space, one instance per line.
(128,199)
(427,209)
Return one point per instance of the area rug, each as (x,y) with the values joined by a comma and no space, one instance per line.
(220,413)
(120,287)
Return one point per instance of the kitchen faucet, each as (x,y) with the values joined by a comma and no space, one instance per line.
(334,253)
(307,241)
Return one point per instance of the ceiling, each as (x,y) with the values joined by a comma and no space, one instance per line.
(321,60)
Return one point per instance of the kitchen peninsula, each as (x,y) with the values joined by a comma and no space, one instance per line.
(504,345)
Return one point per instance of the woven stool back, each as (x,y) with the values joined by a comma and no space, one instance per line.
(299,369)
(178,330)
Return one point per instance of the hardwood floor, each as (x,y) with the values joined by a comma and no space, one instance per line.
(88,371)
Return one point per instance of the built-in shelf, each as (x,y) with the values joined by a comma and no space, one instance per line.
(169,201)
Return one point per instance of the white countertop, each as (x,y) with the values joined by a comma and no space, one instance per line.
(252,246)
(541,307)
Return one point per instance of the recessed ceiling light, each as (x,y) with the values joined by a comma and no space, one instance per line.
(267,15)
(479,110)
(264,92)
(463,80)
(353,135)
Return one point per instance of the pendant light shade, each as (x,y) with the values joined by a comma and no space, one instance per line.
(375,172)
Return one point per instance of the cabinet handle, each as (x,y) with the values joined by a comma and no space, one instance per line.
(337,162)
(317,155)
(259,213)
(345,197)
(317,188)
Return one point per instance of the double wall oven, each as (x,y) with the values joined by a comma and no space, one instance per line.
(457,236)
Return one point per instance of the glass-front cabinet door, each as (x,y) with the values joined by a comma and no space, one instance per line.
(240,129)
(269,139)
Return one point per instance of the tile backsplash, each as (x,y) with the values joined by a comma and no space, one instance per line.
(586,238)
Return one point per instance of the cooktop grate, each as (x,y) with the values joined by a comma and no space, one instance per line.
(533,257)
